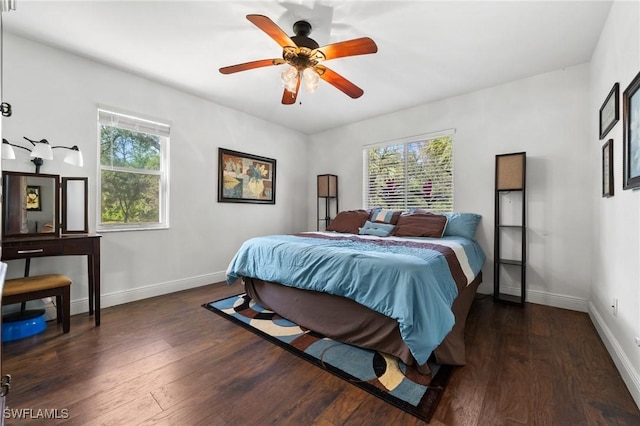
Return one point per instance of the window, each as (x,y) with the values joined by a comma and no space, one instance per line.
(415,174)
(133,179)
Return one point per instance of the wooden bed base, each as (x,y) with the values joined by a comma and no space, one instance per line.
(348,321)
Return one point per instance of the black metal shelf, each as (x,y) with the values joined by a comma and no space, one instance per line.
(510,177)
(510,262)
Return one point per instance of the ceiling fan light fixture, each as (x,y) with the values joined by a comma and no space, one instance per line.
(289,78)
(310,78)
(303,56)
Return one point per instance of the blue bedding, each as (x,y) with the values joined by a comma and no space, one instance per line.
(412,280)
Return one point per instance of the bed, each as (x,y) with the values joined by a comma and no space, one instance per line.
(404,295)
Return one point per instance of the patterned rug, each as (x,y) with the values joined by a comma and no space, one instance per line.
(379,374)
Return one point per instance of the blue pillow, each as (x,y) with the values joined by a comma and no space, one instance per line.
(378,229)
(462,225)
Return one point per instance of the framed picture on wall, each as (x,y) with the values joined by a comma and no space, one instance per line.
(245,178)
(33,198)
(607,169)
(610,111)
(631,134)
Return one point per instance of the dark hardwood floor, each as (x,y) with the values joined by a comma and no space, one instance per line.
(166,360)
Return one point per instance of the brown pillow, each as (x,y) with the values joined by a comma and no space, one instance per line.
(349,221)
(420,225)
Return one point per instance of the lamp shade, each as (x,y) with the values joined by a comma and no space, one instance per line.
(327,186)
(74,157)
(42,150)
(289,77)
(510,171)
(311,79)
(8,152)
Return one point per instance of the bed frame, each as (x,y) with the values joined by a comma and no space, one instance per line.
(349,322)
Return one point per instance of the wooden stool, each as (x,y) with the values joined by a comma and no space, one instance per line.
(20,290)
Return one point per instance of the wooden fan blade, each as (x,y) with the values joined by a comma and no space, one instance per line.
(339,82)
(357,46)
(251,65)
(288,97)
(272,30)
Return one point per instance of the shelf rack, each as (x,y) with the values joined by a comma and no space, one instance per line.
(510,174)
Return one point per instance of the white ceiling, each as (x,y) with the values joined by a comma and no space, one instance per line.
(427,50)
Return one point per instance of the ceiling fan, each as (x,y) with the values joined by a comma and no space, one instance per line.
(304,55)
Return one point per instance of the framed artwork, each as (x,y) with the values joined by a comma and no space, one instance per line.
(631,134)
(245,178)
(607,169)
(33,198)
(610,111)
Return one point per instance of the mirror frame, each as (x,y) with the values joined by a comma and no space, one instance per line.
(65,207)
(6,208)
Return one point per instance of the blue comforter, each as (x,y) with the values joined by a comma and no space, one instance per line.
(412,280)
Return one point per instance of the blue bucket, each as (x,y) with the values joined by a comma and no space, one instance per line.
(22,324)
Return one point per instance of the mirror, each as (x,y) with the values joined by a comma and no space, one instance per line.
(30,204)
(75,193)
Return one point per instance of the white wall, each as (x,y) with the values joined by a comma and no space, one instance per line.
(615,237)
(545,116)
(583,249)
(54,96)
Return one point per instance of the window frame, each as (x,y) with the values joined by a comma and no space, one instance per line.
(163,172)
(405,141)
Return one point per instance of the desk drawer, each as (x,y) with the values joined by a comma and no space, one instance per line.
(30,250)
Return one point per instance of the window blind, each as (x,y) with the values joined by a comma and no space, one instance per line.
(416,174)
(123,121)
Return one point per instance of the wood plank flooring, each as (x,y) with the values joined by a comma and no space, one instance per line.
(166,360)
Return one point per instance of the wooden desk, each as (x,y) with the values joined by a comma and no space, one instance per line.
(68,245)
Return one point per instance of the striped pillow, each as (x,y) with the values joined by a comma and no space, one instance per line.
(384,216)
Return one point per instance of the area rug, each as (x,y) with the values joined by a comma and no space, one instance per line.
(377,373)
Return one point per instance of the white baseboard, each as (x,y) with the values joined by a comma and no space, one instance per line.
(620,359)
(126,296)
(558,300)
(542,298)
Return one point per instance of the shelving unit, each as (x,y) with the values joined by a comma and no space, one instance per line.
(510,231)
(327,191)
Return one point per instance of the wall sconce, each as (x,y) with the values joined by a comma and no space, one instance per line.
(42,151)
